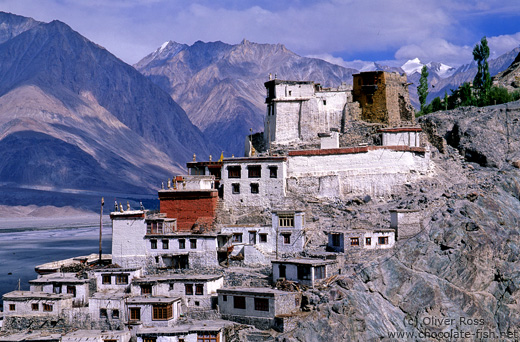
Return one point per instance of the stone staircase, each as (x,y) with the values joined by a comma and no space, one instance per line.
(258,336)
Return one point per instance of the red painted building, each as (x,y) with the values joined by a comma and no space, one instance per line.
(192,201)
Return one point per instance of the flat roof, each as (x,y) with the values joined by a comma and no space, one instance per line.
(41,335)
(182,234)
(23,295)
(195,326)
(296,261)
(253,290)
(254,159)
(152,300)
(177,277)
(96,333)
(361,230)
(110,295)
(87,259)
(354,150)
(58,277)
(400,129)
(117,269)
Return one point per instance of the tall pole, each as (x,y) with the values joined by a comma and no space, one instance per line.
(101,228)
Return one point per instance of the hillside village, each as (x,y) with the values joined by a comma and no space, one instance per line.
(239,241)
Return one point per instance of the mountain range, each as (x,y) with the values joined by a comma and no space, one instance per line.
(74,116)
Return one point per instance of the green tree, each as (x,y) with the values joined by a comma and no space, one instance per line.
(445,100)
(466,96)
(436,104)
(482,80)
(422,89)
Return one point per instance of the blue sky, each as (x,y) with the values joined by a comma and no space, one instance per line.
(341,31)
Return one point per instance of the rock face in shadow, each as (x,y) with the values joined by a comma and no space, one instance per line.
(486,136)
(71,110)
(221,86)
(461,272)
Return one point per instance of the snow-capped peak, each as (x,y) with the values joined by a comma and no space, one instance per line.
(440,69)
(164,45)
(415,65)
(412,66)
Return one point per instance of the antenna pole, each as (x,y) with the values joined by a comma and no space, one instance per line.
(101,228)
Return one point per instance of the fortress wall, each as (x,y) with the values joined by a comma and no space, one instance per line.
(374,173)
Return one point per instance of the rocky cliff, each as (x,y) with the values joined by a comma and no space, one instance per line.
(459,275)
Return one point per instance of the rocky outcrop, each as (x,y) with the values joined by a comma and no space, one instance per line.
(460,274)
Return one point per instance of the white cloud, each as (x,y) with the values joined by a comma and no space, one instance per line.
(501,44)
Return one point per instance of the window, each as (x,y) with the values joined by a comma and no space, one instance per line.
(146,289)
(35,306)
(162,312)
(199,289)
(182,244)
(154,227)
(354,241)
(193,243)
(165,244)
(106,279)
(254,188)
(304,272)
(149,339)
(153,244)
(135,314)
(207,337)
(172,286)
(235,188)
(71,289)
(197,303)
(261,304)
(47,307)
(233,171)
(286,238)
(224,298)
(239,302)
(12,307)
(122,279)
(290,92)
(115,314)
(273,171)
(254,171)
(262,237)
(56,289)
(336,240)
(237,237)
(286,220)
(324,102)
(281,271)
(103,313)
(382,240)
(188,289)
(319,272)
(368,241)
